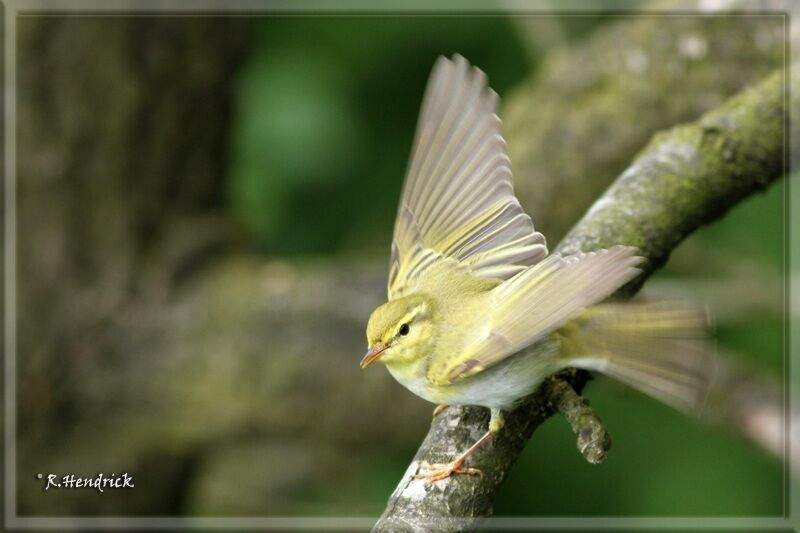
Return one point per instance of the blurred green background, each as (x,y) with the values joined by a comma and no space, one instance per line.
(219,358)
(325,115)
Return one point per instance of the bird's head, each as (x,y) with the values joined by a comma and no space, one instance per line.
(401,331)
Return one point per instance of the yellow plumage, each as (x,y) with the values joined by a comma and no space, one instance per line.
(478,313)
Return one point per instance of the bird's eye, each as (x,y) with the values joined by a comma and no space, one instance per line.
(404,329)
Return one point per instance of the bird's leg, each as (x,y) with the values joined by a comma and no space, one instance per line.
(439,408)
(437,471)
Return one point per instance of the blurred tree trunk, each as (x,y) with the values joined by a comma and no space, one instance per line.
(146,342)
(121,149)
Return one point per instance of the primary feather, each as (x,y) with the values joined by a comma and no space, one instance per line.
(458,201)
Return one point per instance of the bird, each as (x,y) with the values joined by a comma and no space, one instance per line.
(478,312)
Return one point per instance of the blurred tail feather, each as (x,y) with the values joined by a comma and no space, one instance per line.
(661,348)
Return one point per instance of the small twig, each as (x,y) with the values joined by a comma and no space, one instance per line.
(593,439)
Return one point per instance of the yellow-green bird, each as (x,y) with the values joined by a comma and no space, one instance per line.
(478,313)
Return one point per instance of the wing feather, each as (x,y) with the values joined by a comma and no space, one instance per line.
(458,200)
(536,302)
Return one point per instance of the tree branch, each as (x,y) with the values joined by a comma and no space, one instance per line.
(686,177)
(600,95)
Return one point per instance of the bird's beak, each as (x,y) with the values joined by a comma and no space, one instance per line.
(372,355)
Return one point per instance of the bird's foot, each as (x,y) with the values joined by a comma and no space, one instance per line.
(439,408)
(436,472)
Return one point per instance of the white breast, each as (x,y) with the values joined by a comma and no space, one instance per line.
(498,387)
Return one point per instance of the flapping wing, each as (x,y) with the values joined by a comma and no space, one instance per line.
(536,302)
(458,202)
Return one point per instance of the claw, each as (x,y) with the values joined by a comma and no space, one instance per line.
(439,408)
(442,471)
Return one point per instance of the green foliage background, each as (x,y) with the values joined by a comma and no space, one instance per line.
(325,111)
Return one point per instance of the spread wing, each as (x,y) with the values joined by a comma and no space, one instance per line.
(536,302)
(458,202)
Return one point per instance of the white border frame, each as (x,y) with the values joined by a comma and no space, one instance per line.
(13,8)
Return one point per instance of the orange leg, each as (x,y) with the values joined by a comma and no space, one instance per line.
(439,408)
(437,472)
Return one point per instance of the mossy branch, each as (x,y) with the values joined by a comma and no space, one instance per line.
(686,177)
(689,176)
